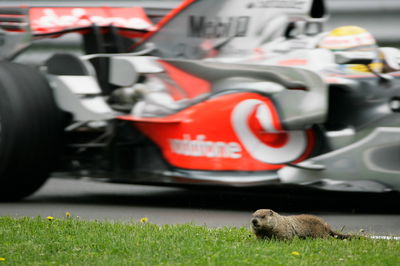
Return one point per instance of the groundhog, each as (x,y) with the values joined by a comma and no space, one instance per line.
(269,224)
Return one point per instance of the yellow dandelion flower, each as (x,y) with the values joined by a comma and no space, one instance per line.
(295,253)
(144,220)
(68,214)
(2,259)
(50,218)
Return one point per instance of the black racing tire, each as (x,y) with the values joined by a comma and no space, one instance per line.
(30,130)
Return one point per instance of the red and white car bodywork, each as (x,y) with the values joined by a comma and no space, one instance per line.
(219,92)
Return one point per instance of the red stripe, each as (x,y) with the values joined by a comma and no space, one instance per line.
(18,30)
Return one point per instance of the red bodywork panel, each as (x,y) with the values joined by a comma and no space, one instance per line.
(184,85)
(53,20)
(208,135)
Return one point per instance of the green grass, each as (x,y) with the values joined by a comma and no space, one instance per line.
(66,241)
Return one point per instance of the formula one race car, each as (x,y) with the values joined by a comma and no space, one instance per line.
(233,92)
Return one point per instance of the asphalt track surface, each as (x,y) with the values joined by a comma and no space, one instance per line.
(214,207)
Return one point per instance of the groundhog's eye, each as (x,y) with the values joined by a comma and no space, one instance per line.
(262,216)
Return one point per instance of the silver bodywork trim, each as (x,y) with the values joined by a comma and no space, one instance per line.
(355,162)
(79,95)
(226,177)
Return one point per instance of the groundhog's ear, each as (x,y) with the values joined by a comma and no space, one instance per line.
(270,212)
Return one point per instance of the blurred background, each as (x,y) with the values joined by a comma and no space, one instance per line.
(381,18)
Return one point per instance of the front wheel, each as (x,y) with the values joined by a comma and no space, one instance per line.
(30,130)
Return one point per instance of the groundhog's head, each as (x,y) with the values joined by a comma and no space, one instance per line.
(263,219)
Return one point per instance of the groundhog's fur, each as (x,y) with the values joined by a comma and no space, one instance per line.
(269,224)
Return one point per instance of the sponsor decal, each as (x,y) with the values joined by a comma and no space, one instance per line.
(292,149)
(245,135)
(60,18)
(218,27)
(200,147)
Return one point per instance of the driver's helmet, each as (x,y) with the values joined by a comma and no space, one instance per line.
(352,39)
(348,38)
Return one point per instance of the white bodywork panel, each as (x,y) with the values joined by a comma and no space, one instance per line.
(80,96)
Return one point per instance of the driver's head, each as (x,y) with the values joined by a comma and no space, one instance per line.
(348,38)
